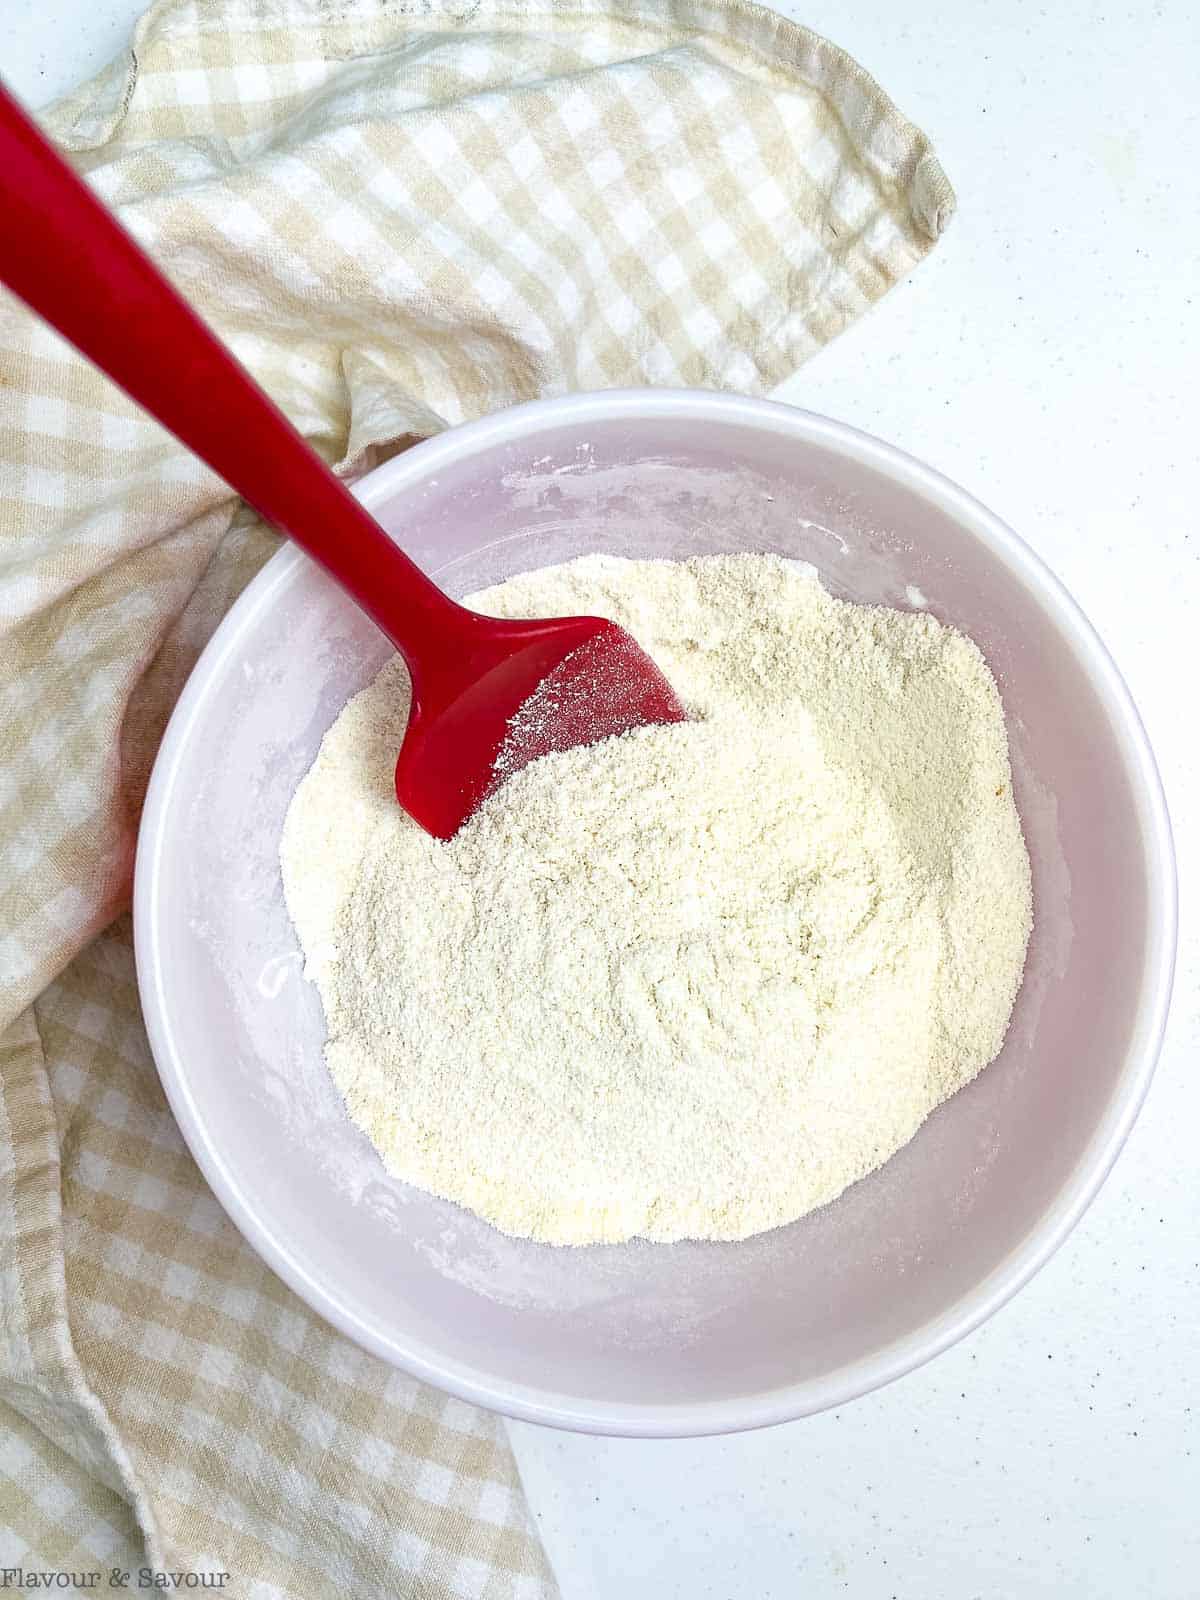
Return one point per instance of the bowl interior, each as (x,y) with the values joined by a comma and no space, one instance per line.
(644,1337)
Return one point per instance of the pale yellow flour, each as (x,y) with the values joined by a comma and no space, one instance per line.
(692,982)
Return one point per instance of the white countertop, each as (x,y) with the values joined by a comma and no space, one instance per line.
(1048,357)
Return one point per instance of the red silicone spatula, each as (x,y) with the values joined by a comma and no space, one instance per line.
(488,695)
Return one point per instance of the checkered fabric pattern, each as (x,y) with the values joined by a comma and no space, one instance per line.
(54,1515)
(399,216)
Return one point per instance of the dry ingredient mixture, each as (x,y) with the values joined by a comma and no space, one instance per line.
(692,982)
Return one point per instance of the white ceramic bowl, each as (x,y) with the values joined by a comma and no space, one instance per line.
(642,1338)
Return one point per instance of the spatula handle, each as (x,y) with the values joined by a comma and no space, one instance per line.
(64,254)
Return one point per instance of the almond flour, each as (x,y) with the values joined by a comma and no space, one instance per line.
(692,982)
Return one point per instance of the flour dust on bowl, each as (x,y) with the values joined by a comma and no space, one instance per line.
(648,1338)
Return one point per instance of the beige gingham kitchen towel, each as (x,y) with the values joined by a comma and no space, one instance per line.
(400,215)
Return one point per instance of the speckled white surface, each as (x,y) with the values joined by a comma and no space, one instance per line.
(1045,356)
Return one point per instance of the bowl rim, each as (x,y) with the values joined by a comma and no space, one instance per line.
(809,1396)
